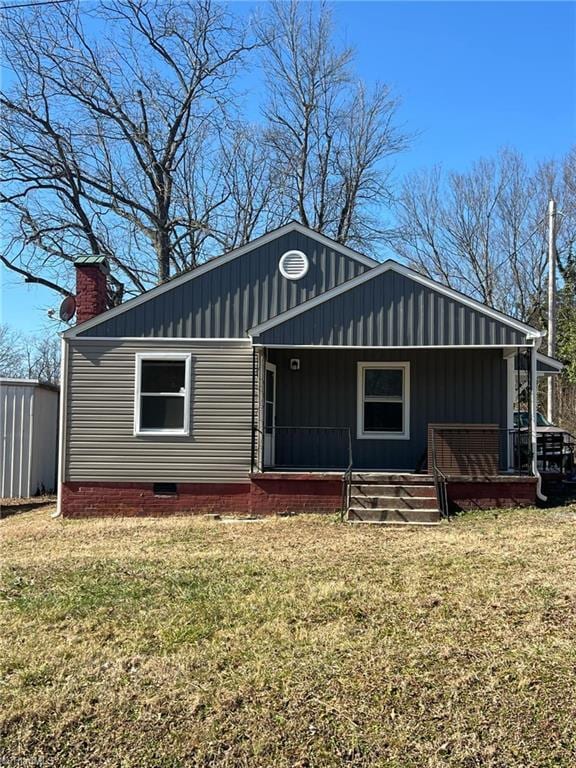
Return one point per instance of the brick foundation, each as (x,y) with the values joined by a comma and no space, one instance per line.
(260,495)
(272,493)
(491,493)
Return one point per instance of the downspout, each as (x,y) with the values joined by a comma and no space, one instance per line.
(533,409)
(62,422)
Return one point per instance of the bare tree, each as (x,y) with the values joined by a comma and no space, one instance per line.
(11,357)
(484,231)
(43,358)
(109,131)
(328,136)
(29,357)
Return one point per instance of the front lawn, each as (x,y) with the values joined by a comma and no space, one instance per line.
(156,643)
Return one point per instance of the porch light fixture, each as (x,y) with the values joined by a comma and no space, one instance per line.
(293,265)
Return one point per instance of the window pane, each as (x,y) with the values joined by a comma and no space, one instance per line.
(163,375)
(383,382)
(382,417)
(162,412)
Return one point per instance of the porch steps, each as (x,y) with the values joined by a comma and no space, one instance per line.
(387,498)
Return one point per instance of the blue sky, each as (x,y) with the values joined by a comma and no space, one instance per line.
(473,77)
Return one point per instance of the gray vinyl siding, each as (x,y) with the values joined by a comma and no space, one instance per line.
(100,444)
(391,310)
(465,386)
(228,300)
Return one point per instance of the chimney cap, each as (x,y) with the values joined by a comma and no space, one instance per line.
(92,261)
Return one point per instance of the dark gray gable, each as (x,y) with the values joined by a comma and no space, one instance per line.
(390,310)
(224,302)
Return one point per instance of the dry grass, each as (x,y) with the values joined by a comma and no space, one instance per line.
(289,642)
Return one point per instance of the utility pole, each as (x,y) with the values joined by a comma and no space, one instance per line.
(551,302)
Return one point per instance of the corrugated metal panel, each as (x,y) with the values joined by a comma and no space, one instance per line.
(100,444)
(228,300)
(445,386)
(16,438)
(28,439)
(45,444)
(392,310)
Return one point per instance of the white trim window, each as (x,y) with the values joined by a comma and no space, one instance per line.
(383,401)
(162,394)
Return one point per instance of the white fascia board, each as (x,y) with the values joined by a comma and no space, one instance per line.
(171,339)
(259,345)
(389,264)
(217,262)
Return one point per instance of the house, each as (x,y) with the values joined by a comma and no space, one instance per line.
(293,374)
(28,437)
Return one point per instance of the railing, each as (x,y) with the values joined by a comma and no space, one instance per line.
(475,451)
(312,448)
(556,453)
(309,448)
(440,480)
(347,481)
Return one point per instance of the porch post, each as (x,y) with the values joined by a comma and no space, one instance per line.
(533,410)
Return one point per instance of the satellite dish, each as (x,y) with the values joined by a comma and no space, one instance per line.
(67,308)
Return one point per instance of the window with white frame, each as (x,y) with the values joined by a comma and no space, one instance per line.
(384,400)
(162,403)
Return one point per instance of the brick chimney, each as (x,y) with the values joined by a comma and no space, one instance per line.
(91,297)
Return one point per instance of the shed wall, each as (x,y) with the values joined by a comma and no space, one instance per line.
(28,439)
(100,444)
(16,440)
(391,310)
(45,441)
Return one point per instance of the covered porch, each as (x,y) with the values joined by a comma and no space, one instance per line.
(388,410)
(439,419)
(394,373)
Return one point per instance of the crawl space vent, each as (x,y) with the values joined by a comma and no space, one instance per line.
(293,265)
(165,489)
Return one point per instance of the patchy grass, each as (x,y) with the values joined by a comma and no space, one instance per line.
(295,642)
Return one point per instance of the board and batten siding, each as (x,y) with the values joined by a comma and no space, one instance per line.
(100,442)
(446,386)
(226,301)
(391,310)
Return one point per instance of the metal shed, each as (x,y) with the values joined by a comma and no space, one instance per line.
(28,437)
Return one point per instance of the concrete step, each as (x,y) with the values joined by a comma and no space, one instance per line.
(394,502)
(391,478)
(393,491)
(393,516)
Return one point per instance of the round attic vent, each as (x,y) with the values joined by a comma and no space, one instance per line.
(293,265)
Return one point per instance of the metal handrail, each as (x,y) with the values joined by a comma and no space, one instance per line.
(440,480)
(347,481)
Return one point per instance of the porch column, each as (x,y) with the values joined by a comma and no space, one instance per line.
(533,422)
(533,409)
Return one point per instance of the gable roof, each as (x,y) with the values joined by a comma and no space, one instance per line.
(392,266)
(215,262)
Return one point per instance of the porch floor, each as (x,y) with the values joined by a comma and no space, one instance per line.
(388,475)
